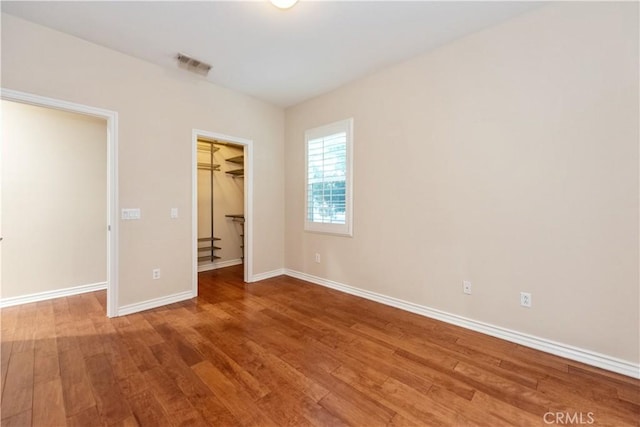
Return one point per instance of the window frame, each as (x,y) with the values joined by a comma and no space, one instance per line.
(345,229)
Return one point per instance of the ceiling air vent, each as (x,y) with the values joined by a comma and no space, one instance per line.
(193,65)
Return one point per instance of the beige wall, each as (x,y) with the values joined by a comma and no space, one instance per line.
(54,200)
(508,158)
(158,108)
(228,199)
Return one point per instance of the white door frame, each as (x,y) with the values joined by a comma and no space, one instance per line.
(112,177)
(248,201)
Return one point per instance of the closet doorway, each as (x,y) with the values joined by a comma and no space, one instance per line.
(222,189)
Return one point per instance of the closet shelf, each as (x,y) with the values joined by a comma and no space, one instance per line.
(206,148)
(209,145)
(239,218)
(237,159)
(236,217)
(236,173)
(207,258)
(208,248)
(208,239)
(208,166)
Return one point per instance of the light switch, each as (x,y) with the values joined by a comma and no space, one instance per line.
(128,214)
(174,213)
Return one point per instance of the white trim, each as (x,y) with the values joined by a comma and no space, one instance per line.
(588,357)
(248,201)
(194,212)
(47,295)
(218,264)
(153,303)
(112,177)
(267,275)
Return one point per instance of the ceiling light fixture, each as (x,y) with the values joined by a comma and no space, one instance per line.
(283,4)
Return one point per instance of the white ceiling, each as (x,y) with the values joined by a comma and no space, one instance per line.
(283,57)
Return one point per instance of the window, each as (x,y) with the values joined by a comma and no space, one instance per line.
(328,202)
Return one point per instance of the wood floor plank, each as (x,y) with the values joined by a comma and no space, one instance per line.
(89,341)
(22,419)
(437,354)
(533,356)
(119,357)
(466,412)
(18,392)
(424,368)
(381,388)
(76,387)
(110,401)
(147,410)
(92,305)
(66,336)
(296,382)
(349,408)
(46,365)
(509,414)
(237,401)
(361,402)
(286,401)
(513,393)
(16,401)
(629,395)
(9,319)
(416,375)
(24,333)
(139,353)
(171,398)
(282,352)
(141,330)
(223,360)
(86,418)
(579,402)
(182,347)
(294,411)
(419,407)
(177,378)
(130,421)
(48,404)
(4,367)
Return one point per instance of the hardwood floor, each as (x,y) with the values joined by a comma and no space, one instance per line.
(283,352)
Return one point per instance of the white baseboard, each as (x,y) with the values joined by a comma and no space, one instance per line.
(43,296)
(218,264)
(153,303)
(267,275)
(563,350)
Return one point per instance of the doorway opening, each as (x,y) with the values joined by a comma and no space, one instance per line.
(221,203)
(109,220)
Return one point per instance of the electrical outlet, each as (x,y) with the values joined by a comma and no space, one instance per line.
(317,257)
(466,287)
(155,273)
(525,299)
